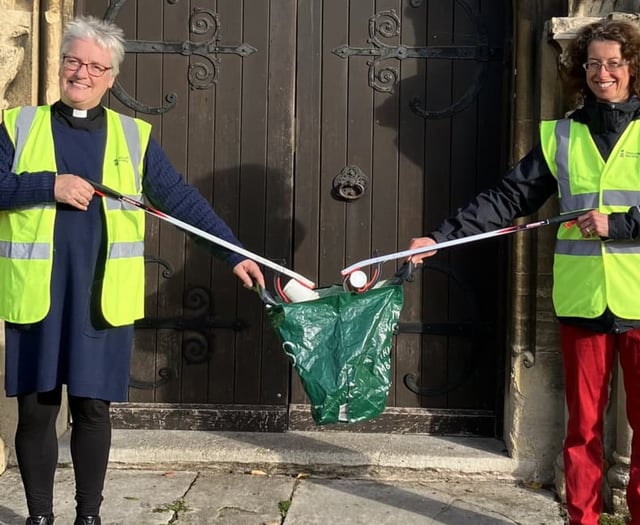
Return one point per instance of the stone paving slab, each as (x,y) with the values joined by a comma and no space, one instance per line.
(319,502)
(132,497)
(153,497)
(233,499)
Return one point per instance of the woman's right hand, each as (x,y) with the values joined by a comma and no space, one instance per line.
(421,242)
(73,190)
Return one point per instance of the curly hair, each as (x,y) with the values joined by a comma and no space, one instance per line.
(627,34)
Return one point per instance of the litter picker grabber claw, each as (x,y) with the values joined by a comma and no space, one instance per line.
(364,283)
(405,254)
(105,191)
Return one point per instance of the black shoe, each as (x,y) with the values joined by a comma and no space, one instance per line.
(87,520)
(40,520)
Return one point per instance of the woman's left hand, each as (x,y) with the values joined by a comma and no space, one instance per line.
(593,224)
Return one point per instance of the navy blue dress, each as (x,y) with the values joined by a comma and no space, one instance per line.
(73,345)
(69,346)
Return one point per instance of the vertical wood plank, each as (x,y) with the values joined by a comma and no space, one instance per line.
(280,179)
(385,159)
(335,31)
(437,196)
(224,372)
(307,192)
(360,134)
(257,341)
(249,200)
(464,186)
(410,139)
(197,274)
(172,242)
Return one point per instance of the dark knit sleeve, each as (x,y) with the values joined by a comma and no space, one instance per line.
(625,226)
(523,190)
(25,189)
(167,190)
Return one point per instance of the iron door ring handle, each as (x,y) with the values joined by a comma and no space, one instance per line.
(350,184)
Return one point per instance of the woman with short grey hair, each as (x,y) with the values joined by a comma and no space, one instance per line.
(72,264)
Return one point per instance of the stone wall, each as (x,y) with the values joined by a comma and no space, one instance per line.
(583,8)
(19,51)
(534,395)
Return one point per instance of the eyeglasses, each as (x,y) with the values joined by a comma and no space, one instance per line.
(74,64)
(593,66)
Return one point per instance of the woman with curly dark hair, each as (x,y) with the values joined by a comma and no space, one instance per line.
(591,161)
(620,33)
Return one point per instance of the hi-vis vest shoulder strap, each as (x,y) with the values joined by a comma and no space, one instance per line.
(26,234)
(590,274)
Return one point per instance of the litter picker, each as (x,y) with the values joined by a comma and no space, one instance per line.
(105,191)
(405,254)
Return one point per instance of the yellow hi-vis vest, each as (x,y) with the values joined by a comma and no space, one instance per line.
(26,234)
(590,274)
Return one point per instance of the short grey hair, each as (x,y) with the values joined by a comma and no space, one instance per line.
(106,34)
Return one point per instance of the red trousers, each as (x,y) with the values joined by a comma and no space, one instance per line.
(588,360)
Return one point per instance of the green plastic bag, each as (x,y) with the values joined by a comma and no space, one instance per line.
(340,346)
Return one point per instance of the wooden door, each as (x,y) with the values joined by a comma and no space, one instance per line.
(322,131)
(216,80)
(401,109)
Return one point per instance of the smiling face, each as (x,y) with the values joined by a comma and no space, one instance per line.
(79,89)
(608,86)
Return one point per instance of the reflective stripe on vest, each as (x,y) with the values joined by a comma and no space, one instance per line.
(26,234)
(590,274)
(118,250)
(23,126)
(24,250)
(589,247)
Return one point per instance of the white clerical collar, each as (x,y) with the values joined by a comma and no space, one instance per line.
(80,113)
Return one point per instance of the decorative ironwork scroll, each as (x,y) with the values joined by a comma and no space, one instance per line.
(383,78)
(202,74)
(196,326)
(165,375)
(385,24)
(471,328)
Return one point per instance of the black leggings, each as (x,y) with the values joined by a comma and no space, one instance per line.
(37,449)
